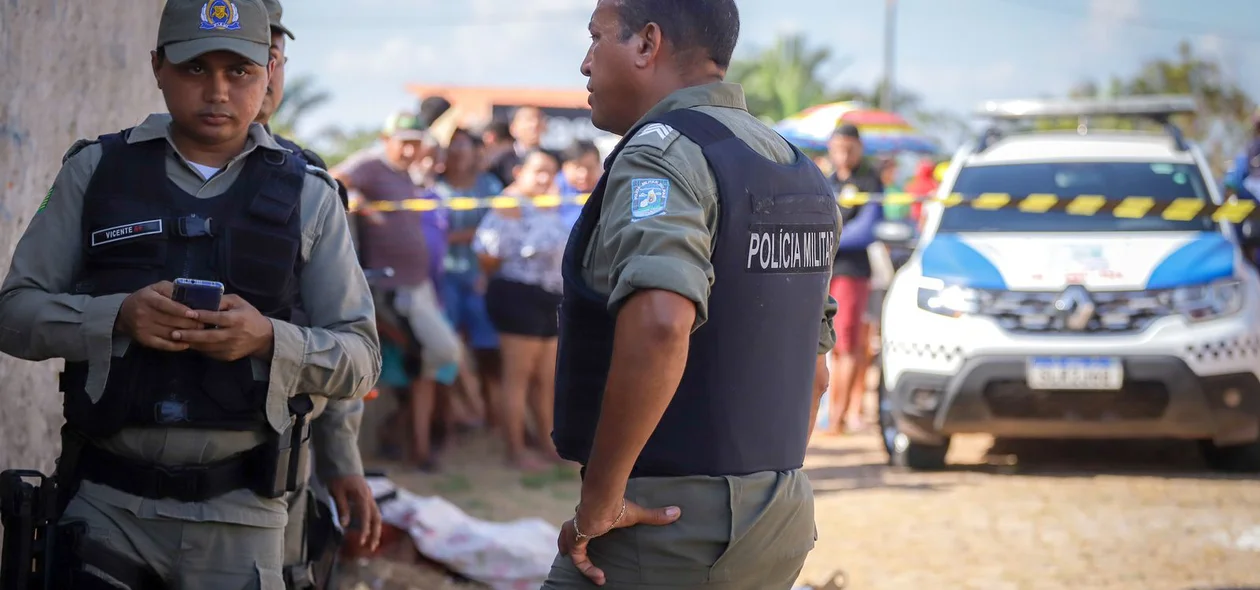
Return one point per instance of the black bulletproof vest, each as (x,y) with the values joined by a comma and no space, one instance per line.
(744,401)
(139,228)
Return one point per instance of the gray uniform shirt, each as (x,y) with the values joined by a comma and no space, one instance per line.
(338,356)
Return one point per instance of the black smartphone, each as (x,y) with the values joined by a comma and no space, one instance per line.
(195,294)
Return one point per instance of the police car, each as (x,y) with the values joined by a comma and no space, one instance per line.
(1066,324)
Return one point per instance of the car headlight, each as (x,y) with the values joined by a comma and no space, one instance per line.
(1205,302)
(952,300)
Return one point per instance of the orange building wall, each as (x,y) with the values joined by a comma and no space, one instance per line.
(477,103)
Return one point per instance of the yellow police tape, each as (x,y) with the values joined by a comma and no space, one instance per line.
(1180,209)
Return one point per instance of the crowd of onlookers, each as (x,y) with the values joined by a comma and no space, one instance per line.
(468,316)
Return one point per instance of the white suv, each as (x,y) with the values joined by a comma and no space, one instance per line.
(1061,325)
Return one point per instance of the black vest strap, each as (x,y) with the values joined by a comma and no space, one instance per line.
(277,200)
(699,127)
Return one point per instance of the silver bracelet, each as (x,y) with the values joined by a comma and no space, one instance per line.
(581,536)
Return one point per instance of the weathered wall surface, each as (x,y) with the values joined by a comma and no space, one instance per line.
(68,69)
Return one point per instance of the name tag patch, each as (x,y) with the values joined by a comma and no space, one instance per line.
(126,232)
(790,248)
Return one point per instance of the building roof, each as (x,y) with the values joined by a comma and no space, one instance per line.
(474,96)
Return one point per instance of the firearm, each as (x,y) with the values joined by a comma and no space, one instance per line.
(29,514)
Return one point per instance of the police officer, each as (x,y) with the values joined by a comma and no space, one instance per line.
(694,320)
(185,427)
(275,92)
(335,432)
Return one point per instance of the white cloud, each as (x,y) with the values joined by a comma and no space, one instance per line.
(961,87)
(1106,17)
(788,26)
(1212,46)
(394,55)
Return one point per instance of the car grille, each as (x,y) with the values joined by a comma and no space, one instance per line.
(1137,400)
(1115,312)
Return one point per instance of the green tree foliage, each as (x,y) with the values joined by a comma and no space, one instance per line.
(301,96)
(791,75)
(342,143)
(1224,108)
(784,78)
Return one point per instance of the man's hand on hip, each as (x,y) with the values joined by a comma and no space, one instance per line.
(598,519)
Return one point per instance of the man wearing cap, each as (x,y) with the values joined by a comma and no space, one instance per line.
(275,92)
(397,239)
(338,465)
(184,426)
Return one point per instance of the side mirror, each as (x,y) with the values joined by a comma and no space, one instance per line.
(896,233)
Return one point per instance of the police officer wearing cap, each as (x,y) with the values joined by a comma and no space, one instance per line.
(338,465)
(275,91)
(695,319)
(185,428)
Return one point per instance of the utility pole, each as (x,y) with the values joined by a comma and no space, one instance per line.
(890,36)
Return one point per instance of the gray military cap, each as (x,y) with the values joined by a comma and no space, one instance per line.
(274,12)
(191,28)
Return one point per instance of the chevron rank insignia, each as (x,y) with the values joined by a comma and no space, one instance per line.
(658,129)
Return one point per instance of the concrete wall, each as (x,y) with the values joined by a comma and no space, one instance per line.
(68,69)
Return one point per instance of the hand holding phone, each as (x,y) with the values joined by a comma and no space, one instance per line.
(195,294)
(151,316)
(236,330)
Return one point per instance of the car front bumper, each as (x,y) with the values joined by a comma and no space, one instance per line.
(1161,397)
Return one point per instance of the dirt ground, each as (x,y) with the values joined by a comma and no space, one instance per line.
(1053,515)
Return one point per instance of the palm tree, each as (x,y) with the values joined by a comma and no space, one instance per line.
(301,96)
(784,78)
(789,76)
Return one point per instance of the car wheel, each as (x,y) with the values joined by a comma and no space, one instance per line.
(1231,459)
(903,452)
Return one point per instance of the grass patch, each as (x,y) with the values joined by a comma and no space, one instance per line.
(542,479)
(454,484)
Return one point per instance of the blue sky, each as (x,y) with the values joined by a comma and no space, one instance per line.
(954,53)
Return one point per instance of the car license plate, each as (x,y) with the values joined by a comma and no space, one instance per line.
(1085,373)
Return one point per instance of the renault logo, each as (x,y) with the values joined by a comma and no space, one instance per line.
(1075,308)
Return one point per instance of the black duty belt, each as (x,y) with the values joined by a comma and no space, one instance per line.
(189,483)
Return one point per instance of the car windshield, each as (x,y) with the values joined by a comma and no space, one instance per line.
(1160,181)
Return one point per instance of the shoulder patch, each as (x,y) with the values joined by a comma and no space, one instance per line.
(323,175)
(655,135)
(76,148)
(314,159)
(47,197)
(648,197)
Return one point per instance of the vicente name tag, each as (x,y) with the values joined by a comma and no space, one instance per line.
(126,232)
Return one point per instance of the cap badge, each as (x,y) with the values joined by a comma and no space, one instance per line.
(220,15)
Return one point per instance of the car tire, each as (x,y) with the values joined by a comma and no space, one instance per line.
(903,452)
(1243,458)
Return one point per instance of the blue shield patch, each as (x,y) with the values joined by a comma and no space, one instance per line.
(648,197)
(220,15)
